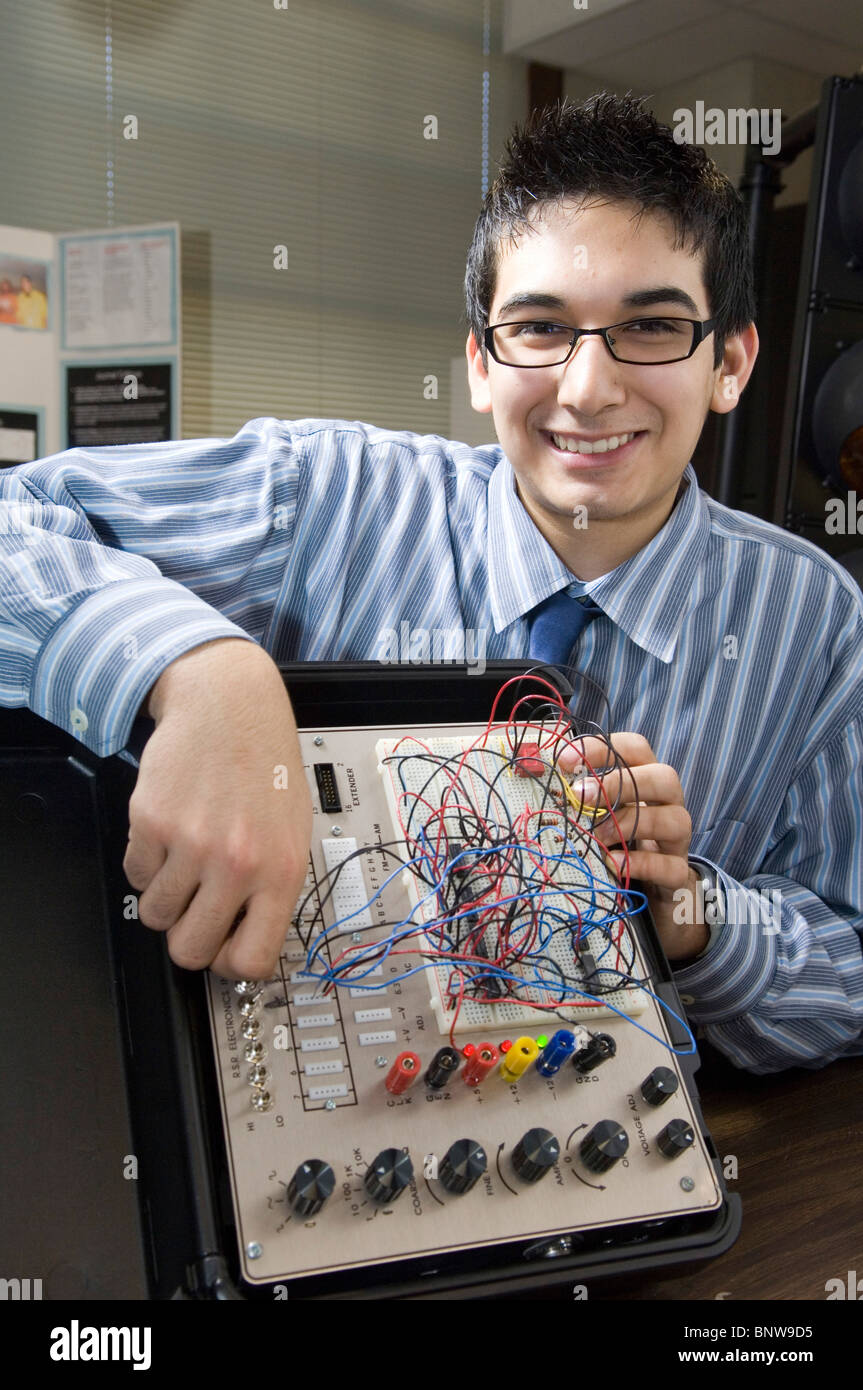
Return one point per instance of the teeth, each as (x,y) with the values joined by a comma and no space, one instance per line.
(599,446)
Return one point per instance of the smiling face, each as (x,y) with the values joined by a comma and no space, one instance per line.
(592,266)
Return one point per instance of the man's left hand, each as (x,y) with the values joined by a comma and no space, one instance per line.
(648,802)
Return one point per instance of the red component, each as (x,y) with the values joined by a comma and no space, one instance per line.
(403,1072)
(468,1050)
(529,763)
(506,1045)
(480,1064)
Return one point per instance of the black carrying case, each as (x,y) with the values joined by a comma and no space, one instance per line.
(115,1180)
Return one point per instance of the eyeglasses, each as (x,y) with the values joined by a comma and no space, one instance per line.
(541,343)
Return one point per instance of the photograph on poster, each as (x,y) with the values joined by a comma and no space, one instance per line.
(23,293)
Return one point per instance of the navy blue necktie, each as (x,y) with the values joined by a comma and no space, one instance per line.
(556,624)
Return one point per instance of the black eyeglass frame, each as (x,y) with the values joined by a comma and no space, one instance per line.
(701,329)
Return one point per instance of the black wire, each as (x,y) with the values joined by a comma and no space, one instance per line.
(511,932)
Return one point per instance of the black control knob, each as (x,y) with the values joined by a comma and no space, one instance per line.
(535,1153)
(388,1176)
(311,1185)
(462,1166)
(603,1146)
(600,1048)
(659,1085)
(675,1139)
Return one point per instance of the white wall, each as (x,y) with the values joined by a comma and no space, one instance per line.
(746,83)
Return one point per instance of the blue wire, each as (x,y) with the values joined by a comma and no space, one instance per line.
(542,983)
(588,925)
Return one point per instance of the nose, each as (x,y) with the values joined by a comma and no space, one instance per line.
(591,379)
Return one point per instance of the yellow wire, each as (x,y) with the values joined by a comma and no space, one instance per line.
(582,807)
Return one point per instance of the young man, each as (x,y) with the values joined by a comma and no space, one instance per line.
(610,307)
(32,306)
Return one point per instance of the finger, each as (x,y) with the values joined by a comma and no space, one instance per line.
(633,748)
(653,867)
(170,892)
(583,753)
(198,934)
(239,918)
(657,784)
(189,892)
(144,857)
(669,826)
(252,951)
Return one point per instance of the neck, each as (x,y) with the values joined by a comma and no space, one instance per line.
(602,545)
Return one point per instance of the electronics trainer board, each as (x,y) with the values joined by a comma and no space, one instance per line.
(462,1047)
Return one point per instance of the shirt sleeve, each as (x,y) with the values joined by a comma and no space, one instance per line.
(781,982)
(115,561)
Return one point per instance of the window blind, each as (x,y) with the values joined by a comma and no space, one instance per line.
(260,127)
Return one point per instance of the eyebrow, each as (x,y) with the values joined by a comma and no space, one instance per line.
(637,299)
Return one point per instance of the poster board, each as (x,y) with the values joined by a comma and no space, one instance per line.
(90,338)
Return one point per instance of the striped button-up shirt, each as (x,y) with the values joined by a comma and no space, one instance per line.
(735,648)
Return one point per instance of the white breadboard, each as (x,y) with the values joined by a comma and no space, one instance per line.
(406,779)
(349,892)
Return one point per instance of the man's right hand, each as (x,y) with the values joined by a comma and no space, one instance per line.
(221,815)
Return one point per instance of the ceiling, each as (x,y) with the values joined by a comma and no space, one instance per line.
(640,43)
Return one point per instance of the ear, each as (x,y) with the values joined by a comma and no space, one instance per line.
(480,390)
(736,369)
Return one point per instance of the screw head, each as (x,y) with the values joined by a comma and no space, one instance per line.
(317,740)
(336,830)
(247,989)
(254,1250)
(329,1105)
(687,1184)
(357,937)
(380,1061)
(556,1248)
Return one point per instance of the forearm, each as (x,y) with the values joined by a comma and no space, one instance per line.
(221,659)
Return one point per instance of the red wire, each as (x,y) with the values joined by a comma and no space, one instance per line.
(487,907)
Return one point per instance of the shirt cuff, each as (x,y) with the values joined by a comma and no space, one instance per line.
(713,904)
(95,669)
(731,973)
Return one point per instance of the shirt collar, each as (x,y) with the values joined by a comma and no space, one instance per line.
(647,596)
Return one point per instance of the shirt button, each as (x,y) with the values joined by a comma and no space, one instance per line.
(80,722)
